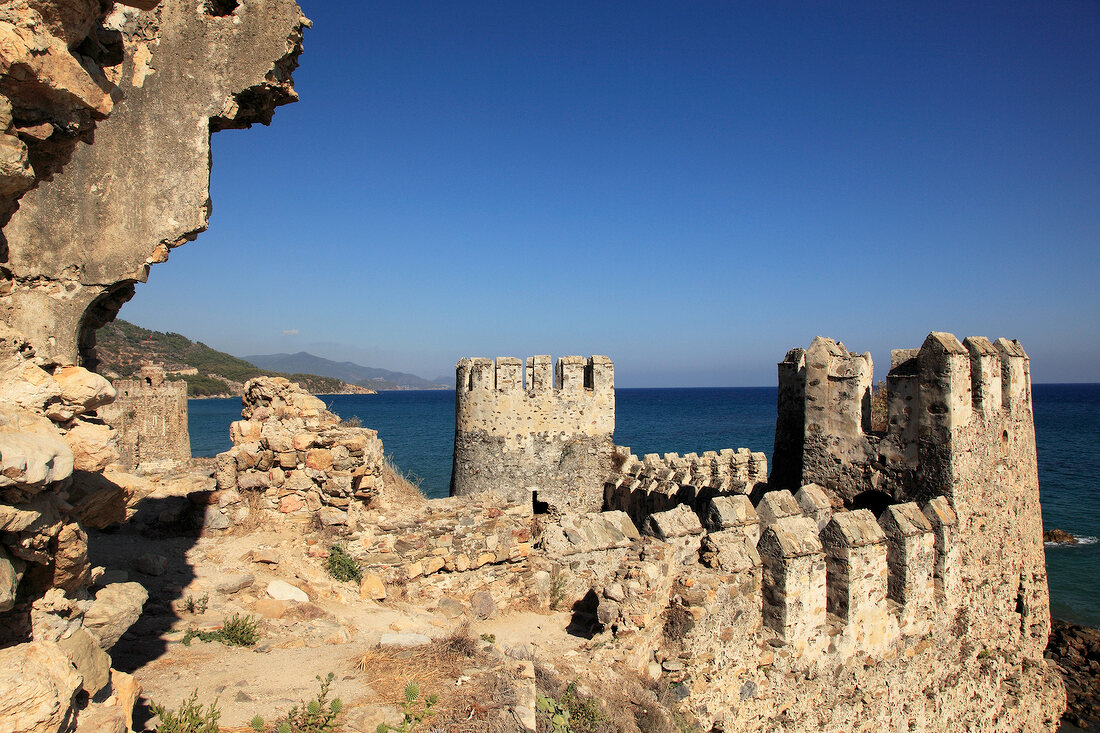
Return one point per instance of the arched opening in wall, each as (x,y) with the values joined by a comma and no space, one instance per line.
(98,314)
(875,501)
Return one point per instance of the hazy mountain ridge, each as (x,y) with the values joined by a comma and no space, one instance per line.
(372,377)
(121,347)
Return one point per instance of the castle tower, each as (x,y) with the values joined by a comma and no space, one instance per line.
(960,433)
(529,433)
(150,415)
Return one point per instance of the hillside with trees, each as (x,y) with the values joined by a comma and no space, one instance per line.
(122,347)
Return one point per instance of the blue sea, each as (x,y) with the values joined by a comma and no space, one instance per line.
(417,429)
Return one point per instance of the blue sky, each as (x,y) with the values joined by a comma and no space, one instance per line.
(690,188)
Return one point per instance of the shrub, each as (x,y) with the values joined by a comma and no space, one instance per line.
(237,631)
(879,399)
(343,566)
(585,715)
(190,718)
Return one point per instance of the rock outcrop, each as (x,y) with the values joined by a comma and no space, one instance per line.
(153,80)
(55,57)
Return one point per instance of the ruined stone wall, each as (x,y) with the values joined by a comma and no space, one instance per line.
(960,434)
(291,456)
(150,415)
(187,69)
(522,429)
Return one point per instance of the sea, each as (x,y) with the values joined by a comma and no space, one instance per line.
(417,430)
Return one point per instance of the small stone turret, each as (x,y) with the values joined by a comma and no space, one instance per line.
(150,415)
(523,430)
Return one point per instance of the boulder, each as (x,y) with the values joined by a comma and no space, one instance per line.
(372,587)
(28,386)
(90,660)
(11,573)
(115,610)
(332,517)
(82,389)
(94,445)
(151,563)
(233,582)
(126,691)
(71,569)
(38,686)
(30,461)
(677,522)
(281,590)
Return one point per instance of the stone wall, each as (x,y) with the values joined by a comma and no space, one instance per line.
(150,415)
(960,425)
(795,613)
(521,429)
(291,456)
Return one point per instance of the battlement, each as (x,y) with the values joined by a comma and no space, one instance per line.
(537,374)
(945,392)
(822,580)
(657,483)
(533,428)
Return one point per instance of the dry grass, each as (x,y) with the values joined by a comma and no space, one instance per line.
(400,487)
(256,504)
(472,707)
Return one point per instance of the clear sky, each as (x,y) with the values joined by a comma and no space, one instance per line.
(691,188)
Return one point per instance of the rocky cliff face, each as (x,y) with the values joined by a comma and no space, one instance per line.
(82,223)
(77,246)
(55,57)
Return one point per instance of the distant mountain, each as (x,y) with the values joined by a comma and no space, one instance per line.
(121,347)
(373,377)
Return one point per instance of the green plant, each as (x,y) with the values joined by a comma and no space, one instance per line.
(585,715)
(557,716)
(196,605)
(319,715)
(414,714)
(190,718)
(489,638)
(237,631)
(343,566)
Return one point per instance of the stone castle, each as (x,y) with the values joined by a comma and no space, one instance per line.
(888,580)
(150,415)
(873,580)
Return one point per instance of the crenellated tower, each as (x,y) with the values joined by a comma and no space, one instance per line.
(535,429)
(959,426)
